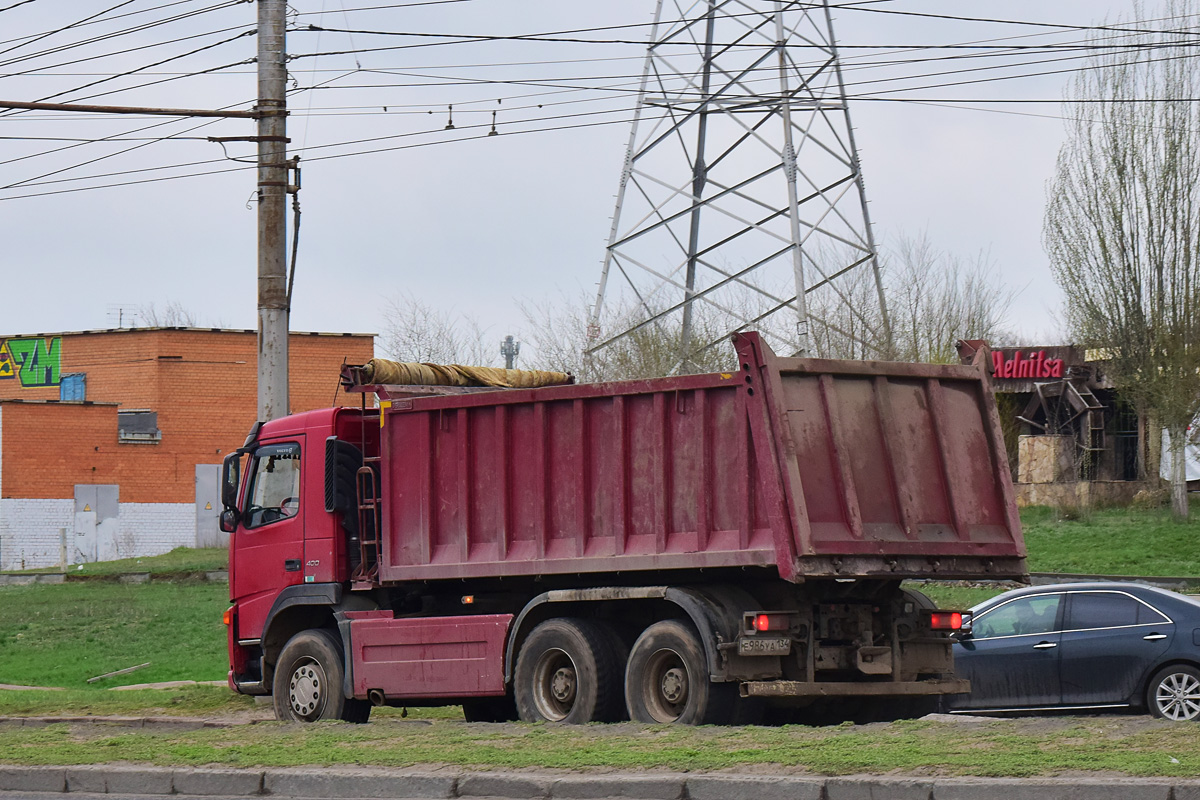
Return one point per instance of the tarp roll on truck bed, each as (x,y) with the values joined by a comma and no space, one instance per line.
(382,371)
(811,468)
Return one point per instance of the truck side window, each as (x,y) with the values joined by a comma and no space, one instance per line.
(274,492)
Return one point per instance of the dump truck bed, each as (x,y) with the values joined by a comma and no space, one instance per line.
(811,468)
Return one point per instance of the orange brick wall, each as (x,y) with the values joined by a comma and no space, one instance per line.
(50,447)
(202,384)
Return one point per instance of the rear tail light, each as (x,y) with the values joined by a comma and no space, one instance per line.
(768,622)
(946,620)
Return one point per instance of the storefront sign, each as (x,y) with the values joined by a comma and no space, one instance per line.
(1019,364)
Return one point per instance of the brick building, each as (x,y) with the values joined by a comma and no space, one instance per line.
(113,434)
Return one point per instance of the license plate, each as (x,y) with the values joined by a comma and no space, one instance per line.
(756,646)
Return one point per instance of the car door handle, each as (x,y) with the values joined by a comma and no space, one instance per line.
(1045,645)
(1154,637)
(292,565)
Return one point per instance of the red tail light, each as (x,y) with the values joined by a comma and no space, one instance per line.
(771,622)
(946,620)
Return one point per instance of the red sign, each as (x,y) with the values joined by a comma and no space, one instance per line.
(1034,365)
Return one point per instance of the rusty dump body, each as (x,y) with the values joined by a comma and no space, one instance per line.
(812,467)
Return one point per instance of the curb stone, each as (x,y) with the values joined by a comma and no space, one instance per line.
(753,787)
(1058,788)
(448,784)
(493,784)
(328,783)
(634,787)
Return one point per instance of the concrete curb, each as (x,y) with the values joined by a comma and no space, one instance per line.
(447,784)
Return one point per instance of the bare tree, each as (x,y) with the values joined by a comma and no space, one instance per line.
(558,332)
(415,331)
(1122,224)
(935,299)
(172,315)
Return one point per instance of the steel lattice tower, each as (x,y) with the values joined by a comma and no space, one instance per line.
(741,187)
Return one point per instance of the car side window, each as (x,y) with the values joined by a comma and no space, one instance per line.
(1102,610)
(1151,616)
(1018,617)
(274,492)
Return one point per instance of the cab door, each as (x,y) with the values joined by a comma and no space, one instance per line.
(268,550)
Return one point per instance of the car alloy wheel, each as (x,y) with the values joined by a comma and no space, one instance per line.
(1175,694)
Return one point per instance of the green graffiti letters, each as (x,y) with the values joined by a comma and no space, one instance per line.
(37,364)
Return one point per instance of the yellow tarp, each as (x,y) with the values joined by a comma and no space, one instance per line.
(382,371)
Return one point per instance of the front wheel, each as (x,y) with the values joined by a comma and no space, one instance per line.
(1174,693)
(667,680)
(308,681)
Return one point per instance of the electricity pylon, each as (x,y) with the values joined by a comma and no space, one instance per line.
(741,188)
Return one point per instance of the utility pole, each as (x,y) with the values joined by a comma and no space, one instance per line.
(273,308)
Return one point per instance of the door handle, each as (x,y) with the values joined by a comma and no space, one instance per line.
(1154,637)
(1045,645)
(292,565)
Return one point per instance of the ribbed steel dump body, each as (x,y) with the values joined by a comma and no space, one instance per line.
(819,468)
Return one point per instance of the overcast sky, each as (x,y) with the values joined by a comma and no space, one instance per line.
(466,222)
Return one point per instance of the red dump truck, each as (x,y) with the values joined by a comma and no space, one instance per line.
(689,549)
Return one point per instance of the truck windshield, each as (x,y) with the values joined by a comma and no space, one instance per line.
(274,485)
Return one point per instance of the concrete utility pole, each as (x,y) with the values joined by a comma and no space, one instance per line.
(273,308)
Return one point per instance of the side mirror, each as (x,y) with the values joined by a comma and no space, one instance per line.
(231,474)
(229,520)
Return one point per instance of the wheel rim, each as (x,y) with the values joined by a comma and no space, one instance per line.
(306,689)
(667,686)
(555,685)
(1178,697)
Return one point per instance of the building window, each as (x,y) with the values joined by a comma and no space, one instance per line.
(138,426)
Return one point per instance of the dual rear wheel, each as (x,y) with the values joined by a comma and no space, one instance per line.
(573,670)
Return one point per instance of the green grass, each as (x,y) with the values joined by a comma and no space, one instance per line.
(1017,748)
(182,561)
(188,701)
(1113,541)
(61,635)
(959,598)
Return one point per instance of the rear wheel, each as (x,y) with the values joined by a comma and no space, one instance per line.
(567,672)
(308,681)
(1174,693)
(667,681)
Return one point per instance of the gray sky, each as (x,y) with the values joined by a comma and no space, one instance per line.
(472,226)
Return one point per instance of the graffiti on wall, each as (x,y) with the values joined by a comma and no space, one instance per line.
(33,362)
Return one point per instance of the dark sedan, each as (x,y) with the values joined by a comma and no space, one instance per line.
(1083,646)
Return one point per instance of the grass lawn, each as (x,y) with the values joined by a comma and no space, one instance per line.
(1018,748)
(180,562)
(61,635)
(1113,541)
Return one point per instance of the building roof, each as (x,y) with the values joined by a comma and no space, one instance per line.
(172,328)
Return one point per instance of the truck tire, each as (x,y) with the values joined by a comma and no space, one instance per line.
(667,681)
(308,681)
(567,673)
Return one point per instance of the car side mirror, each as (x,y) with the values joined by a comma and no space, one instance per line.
(229,520)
